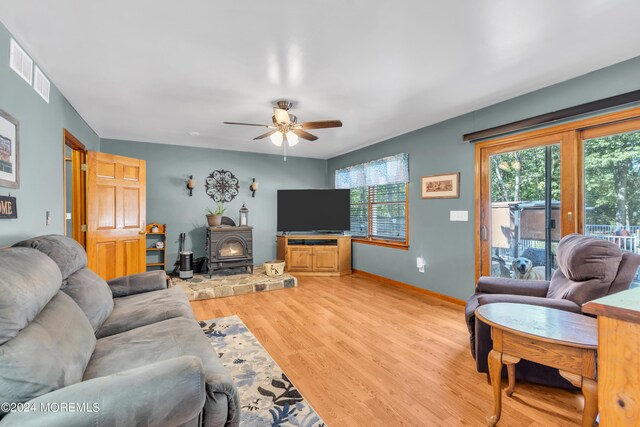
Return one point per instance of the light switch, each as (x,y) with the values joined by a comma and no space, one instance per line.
(458,215)
(48,218)
(68,216)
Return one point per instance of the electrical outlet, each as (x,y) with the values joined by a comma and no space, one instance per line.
(48,218)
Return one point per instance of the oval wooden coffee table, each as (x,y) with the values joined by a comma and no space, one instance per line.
(560,339)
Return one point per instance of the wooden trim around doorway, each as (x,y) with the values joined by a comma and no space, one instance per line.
(78,206)
(570,136)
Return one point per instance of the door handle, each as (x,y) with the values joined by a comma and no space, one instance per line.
(483,233)
(143,231)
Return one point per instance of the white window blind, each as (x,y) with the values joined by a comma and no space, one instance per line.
(388,170)
(378,198)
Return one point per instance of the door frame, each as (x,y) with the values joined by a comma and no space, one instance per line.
(568,200)
(570,136)
(78,189)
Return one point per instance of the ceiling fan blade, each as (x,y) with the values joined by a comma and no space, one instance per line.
(305,135)
(264,135)
(321,124)
(282,116)
(248,124)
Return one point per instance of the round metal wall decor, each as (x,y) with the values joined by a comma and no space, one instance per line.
(222,186)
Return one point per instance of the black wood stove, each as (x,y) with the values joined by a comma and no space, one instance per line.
(229,247)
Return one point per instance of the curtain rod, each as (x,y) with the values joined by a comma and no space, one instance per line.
(589,107)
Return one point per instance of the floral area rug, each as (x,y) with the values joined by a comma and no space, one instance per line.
(267,397)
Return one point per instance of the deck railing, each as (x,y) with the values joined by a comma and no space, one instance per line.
(599,229)
(629,243)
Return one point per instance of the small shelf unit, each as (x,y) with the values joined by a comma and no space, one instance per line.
(156,257)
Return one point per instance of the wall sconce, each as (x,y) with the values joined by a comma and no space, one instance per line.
(253,187)
(191,184)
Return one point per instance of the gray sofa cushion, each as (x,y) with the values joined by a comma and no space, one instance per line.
(65,252)
(138,283)
(50,353)
(92,294)
(167,393)
(28,281)
(162,341)
(144,309)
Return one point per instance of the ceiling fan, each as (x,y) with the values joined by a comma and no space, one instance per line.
(286,128)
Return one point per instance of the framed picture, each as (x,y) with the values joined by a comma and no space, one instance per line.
(443,186)
(9,144)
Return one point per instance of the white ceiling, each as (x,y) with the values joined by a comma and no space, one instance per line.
(153,70)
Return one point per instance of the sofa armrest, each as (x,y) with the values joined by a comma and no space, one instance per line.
(138,283)
(503,285)
(560,304)
(169,393)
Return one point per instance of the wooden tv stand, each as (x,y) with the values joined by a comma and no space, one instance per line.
(316,255)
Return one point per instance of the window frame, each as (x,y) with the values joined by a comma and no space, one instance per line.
(376,241)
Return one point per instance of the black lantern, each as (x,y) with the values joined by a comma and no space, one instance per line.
(244,215)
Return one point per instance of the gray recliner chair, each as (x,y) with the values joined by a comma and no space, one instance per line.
(127,352)
(588,269)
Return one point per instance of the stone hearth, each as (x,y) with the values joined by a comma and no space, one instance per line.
(225,285)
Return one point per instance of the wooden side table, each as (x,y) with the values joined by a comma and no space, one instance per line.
(560,339)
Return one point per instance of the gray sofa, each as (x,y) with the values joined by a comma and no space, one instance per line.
(589,268)
(76,350)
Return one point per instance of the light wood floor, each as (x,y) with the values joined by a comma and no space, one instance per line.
(365,353)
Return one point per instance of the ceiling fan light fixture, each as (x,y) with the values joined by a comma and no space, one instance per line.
(282,116)
(286,131)
(276,138)
(292,138)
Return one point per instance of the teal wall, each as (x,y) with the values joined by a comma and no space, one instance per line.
(449,246)
(41,169)
(168,202)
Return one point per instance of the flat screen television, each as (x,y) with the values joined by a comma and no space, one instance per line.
(313,210)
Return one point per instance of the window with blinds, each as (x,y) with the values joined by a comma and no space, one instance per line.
(378,199)
(379,212)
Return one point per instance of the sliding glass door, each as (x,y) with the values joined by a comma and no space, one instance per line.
(525,210)
(521,203)
(612,184)
(536,187)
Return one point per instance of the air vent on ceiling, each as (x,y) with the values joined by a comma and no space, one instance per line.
(41,84)
(20,62)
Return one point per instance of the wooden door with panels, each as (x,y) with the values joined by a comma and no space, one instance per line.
(116,214)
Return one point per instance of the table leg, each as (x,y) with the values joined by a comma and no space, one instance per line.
(590,392)
(495,371)
(511,370)
(510,361)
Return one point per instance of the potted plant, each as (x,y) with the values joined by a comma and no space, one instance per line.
(214,218)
